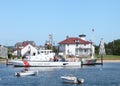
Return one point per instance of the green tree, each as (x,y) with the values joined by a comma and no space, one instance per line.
(112,48)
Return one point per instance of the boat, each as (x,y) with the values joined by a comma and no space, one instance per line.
(72,79)
(44,58)
(25,63)
(26,73)
(90,60)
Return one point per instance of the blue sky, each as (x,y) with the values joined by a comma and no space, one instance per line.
(22,20)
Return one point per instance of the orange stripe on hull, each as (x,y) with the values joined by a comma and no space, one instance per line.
(26,63)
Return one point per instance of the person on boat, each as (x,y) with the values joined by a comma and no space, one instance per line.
(55,59)
(24,70)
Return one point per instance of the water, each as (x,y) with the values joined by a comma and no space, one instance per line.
(108,75)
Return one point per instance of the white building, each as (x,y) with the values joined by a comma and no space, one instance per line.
(24,50)
(3,52)
(77,46)
(28,50)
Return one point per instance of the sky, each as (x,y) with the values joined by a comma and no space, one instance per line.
(34,20)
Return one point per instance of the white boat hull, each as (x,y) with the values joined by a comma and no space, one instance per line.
(89,61)
(45,64)
(69,79)
(26,73)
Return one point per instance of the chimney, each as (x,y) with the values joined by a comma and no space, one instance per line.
(67,37)
(82,36)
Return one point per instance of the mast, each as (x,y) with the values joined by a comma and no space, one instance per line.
(51,40)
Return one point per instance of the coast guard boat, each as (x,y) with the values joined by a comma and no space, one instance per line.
(44,58)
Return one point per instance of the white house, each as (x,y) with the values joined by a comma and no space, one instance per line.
(28,50)
(77,46)
(3,52)
(24,50)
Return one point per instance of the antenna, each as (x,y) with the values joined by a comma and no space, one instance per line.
(51,39)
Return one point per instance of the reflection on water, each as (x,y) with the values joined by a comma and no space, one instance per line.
(44,68)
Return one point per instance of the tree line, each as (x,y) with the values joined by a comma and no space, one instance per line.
(111,48)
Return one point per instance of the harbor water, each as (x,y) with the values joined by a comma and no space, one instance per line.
(106,75)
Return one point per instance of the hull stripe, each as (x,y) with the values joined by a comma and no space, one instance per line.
(26,63)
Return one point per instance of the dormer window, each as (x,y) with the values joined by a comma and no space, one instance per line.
(77,41)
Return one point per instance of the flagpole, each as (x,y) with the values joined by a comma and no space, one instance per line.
(92,47)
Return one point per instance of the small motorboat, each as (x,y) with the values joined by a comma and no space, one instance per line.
(26,73)
(72,79)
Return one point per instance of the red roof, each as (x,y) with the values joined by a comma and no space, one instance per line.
(25,44)
(72,40)
(22,46)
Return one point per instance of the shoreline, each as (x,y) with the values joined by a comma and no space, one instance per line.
(98,60)
(109,60)
(3,61)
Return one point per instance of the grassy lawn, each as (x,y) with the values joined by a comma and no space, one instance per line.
(110,57)
(1,59)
